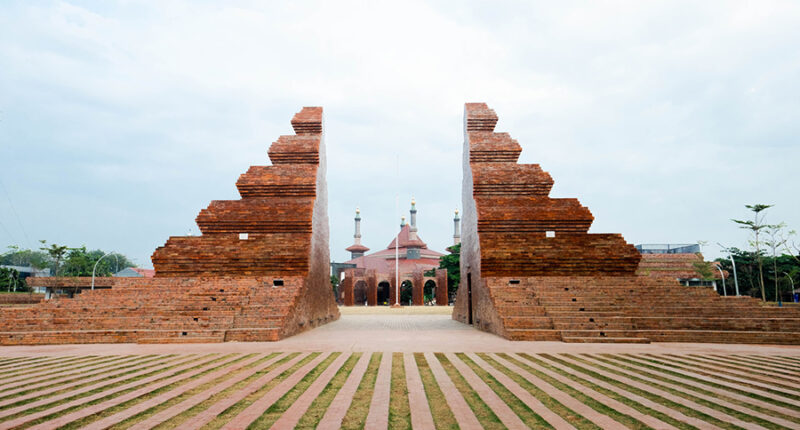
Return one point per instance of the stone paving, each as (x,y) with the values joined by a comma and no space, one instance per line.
(386,368)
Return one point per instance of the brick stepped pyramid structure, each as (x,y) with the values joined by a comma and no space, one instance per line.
(258,272)
(531,271)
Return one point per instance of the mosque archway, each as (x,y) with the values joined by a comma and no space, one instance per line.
(360,293)
(383,294)
(406,293)
(429,292)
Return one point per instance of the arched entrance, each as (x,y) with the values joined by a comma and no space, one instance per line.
(360,293)
(406,293)
(429,292)
(383,294)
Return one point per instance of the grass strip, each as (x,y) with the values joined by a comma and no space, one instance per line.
(278,408)
(686,410)
(101,364)
(399,408)
(319,406)
(156,360)
(241,405)
(128,422)
(612,394)
(21,363)
(443,417)
(483,412)
(620,417)
(38,367)
(176,421)
(359,408)
(795,360)
(525,413)
(119,393)
(763,366)
(98,390)
(716,375)
(75,377)
(755,373)
(649,363)
(133,402)
(621,363)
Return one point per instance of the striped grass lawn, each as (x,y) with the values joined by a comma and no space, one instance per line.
(330,390)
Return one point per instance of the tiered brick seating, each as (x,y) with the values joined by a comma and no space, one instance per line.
(220,286)
(535,273)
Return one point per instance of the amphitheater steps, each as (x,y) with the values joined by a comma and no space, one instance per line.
(184,339)
(596,339)
(533,334)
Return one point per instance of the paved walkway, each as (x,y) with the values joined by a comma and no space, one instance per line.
(344,375)
(420,329)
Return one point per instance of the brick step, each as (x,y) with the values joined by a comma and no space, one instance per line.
(528,309)
(184,339)
(602,333)
(605,340)
(533,334)
(744,323)
(719,336)
(527,322)
(586,325)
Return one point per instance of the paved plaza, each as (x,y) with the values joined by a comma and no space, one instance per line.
(399,368)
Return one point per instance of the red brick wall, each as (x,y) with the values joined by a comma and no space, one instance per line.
(216,287)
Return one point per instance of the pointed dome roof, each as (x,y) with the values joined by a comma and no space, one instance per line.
(405,241)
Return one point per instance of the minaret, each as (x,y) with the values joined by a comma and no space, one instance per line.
(357,249)
(456,229)
(412,231)
(402,221)
(357,234)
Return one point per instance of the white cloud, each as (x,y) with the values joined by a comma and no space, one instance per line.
(121,120)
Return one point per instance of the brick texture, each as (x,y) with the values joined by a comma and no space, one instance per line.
(217,286)
(531,271)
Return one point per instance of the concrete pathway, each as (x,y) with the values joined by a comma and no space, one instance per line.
(234,385)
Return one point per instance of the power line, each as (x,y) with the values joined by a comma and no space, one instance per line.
(13,209)
(8,232)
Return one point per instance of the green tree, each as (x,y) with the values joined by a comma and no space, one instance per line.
(775,241)
(756,226)
(26,257)
(80,262)
(10,280)
(335,287)
(451,262)
(56,253)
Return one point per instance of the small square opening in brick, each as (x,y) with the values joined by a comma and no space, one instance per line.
(550,233)
(213,299)
(183,333)
(242,236)
(195,319)
(514,282)
(277,282)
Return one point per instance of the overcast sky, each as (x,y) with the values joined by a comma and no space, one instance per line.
(120,121)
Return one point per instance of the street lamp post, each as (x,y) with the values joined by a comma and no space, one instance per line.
(733,263)
(98,262)
(722,275)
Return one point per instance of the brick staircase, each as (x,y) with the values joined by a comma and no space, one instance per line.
(635,309)
(258,272)
(160,310)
